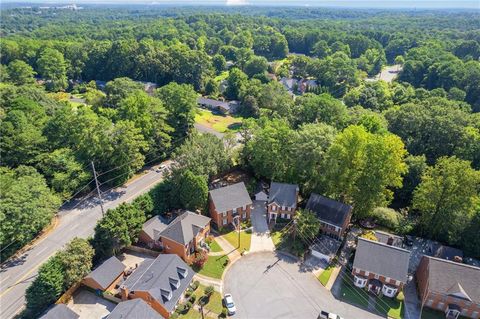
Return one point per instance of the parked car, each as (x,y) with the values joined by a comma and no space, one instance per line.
(228,301)
(161,168)
(328,315)
(408,240)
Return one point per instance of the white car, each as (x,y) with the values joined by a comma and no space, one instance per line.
(228,300)
(326,315)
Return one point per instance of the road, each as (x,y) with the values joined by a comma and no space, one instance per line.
(16,275)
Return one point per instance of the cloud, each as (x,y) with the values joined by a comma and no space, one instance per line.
(237,2)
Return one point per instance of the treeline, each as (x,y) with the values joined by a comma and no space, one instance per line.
(47,146)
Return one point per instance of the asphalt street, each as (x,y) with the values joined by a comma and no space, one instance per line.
(17,274)
(269,285)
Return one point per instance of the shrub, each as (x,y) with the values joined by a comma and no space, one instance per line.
(181,308)
(209,291)
(192,299)
(400,297)
(195,285)
(224,313)
(188,293)
(188,305)
(200,260)
(387,217)
(174,315)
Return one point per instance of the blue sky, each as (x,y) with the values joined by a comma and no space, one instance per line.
(474,4)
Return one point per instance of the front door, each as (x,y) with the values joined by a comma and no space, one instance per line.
(273,217)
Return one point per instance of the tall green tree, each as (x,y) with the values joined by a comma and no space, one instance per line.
(20,73)
(191,189)
(307,226)
(76,261)
(53,68)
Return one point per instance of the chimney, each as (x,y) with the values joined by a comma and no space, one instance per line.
(124,293)
(390,241)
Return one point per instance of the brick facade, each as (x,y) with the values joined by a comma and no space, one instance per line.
(224,219)
(382,279)
(287,212)
(335,231)
(186,252)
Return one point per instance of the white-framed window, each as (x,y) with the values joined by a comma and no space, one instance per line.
(397,282)
(376,276)
(367,273)
(475,314)
(225,221)
(440,305)
(274,208)
(288,216)
(244,215)
(429,302)
(282,215)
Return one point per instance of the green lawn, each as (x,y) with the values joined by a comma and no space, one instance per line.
(214,267)
(286,243)
(191,314)
(215,247)
(325,275)
(352,294)
(245,239)
(215,302)
(220,123)
(391,307)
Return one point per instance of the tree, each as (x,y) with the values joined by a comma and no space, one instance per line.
(416,167)
(219,63)
(119,89)
(256,65)
(52,67)
(312,108)
(76,261)
(191,189)
(321,49)
(117,229)
(307,225)
(471,236)
(180,100)
(235,81)
(26,206)
(20,73)
(362,167)
(447,198)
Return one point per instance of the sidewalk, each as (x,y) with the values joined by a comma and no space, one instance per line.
(208,281)
(228,249)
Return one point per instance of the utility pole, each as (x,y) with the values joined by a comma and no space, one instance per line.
(201,309)
(238,226)
(98,189)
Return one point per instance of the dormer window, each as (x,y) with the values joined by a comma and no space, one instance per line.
(174,282)
(182,272)
(167,294)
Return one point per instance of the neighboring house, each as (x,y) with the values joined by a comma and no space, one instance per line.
(60,311)
(325,248)
(389,239)
(305,85)
(226,107)
(134,309)
(282,201)
(106,275)
(160,282)
(334,216)
(380,267)
(447,252)
(181,237)
(449,286)
(290,84)
(228,202)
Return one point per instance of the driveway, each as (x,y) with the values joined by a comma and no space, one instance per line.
(88,305)
(261,240)
(269,285)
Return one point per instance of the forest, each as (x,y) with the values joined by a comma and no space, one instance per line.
(406,153)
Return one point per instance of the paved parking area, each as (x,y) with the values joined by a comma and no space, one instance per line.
(261,240)
(90,306)
(270,285)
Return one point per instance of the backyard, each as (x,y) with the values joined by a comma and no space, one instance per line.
(245,239)
(219,123)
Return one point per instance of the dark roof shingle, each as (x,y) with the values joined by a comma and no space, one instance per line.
(154,226)
(283,194)
(328,210)
(449,277)
(382,259)
(156,277)
(230,197)
(107,272)
(185,227)
(60,311)
(134,309)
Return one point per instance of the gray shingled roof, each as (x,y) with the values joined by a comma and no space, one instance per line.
(449,277)
(230,197)
(283,194)
(213,103)
(107,272)
(156,277)
(328,210)
(384,237)
(60,311)
(185,227)
(134,309)
(382,259)
(154,226)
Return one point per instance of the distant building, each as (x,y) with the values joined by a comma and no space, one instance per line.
(228,202)
(225,107)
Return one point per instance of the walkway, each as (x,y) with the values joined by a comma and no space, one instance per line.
(261,240)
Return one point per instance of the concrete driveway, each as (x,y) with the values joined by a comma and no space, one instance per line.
(261,240)
(269,285)
(89,306)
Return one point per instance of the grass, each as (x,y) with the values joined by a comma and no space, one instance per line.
(325,275)
(245,239)
(352,294)
(215,247)
(214,304)
(220,123)
(390,307)
(285,242)
(214,267)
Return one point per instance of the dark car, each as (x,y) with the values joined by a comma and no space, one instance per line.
(408,240)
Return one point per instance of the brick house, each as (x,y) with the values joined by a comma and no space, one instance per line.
(134,308)
(450,287)
(282,201)
(381,268)
(334,216)
(228,202)
(160,282)
(106,276)
(181,237)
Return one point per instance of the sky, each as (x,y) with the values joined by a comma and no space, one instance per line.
(473,4)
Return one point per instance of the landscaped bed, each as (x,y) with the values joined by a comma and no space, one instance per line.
(213,308)
(219,123)
(214,267)
(245,239)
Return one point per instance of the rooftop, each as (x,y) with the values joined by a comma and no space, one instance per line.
(453,278)
(107,272)
(390,239)
(328,210)
(154,226)
(60,311)
(134,309)
(185,227)
(230,197)
(283,194)
(165,278)
(382,259)
(215,103)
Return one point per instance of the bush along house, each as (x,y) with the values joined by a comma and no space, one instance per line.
(183,236)
(282,201)
(380,268)
(449,286)
(229,202)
